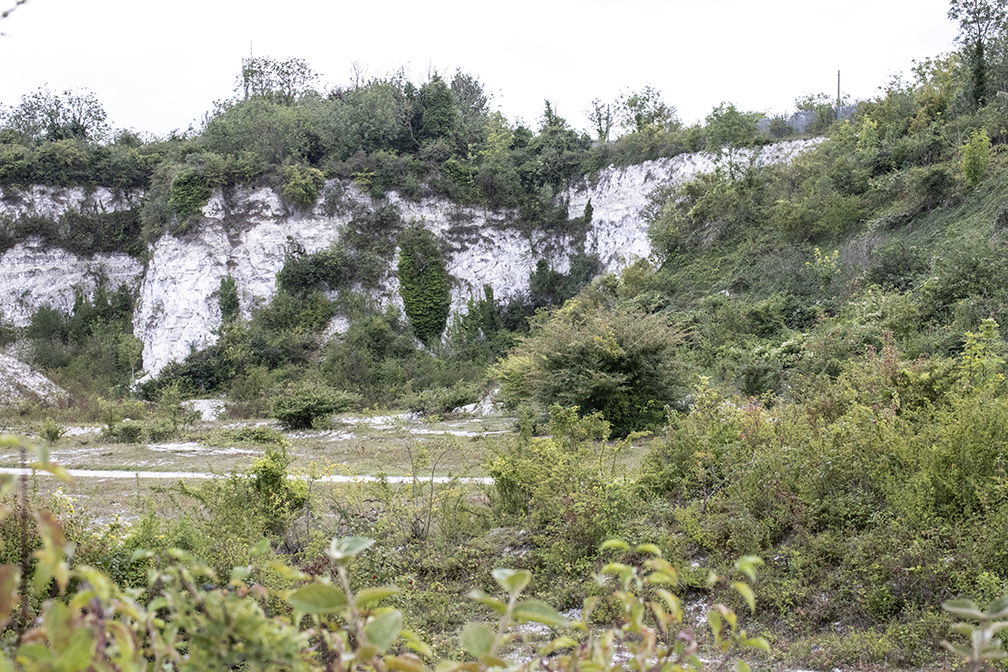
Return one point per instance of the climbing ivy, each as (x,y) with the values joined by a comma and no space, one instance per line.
(423,283)
(228,298)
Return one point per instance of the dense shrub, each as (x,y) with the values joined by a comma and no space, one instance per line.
(303,405)
(618,362)
(93,347)
(976,157)
(190,191)
(565,487)
(441,400)
(302,185)
(702,211)
(424,283)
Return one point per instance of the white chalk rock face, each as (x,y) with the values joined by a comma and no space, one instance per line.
(55,202)
(483,249)
(33,275)
(178,308)
(248,233)
(620,194)
(20,382)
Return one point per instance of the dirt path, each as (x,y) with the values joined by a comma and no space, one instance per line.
(203,475)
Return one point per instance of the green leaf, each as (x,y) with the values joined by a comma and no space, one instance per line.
(54,469)
(318,598)
(614,545)
(714,621)
(414,643)
(742,666)
(757,643)
(559,643)
(477,640)
(614,568)
(964,609)
(511,580)
(650,549)
(369,597)
(747,564)
(407,663)
(492,602)
(77,655)
(998,608)
(344,549)
(747,594)
(240,574)
(383,630)
(538,611)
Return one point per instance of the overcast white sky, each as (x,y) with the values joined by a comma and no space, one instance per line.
(158,66)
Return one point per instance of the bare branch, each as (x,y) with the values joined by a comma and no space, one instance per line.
(7,12)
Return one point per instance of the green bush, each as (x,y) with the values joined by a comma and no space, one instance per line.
(441,400)
(190,191)
(572,473)
(302,185)
(976,157)
(303,405)
(424,283)
(619,362)
(227,299)
(93,348)
(124,431)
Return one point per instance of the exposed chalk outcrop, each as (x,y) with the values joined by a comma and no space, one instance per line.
(20,382)
(248,233)
(33,275)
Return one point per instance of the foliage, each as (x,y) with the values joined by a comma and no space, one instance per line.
(190,191)
(441,400)
(227,298)
(189,616)
(302,185)
(44,115)
(976,157)
(616,361)
(303,405)
(281,81)
(985,645)
(979,22)
(92,347)
(728,129)
(424,283)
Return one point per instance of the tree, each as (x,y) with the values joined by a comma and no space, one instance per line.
(278,81)
(44,115)
(979,22)
(645,109)
(727,130)
(436,114)
(472,103)
(601,116)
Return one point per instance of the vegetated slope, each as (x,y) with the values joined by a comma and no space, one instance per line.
(815,348)
(839,394)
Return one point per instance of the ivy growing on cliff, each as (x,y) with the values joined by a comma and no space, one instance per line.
(423,283)
(228,299)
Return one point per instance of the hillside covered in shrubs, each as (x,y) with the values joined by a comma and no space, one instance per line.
(809,374)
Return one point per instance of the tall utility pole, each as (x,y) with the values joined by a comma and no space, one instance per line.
(838,88)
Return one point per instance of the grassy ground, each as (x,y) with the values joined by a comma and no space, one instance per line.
(391,444)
